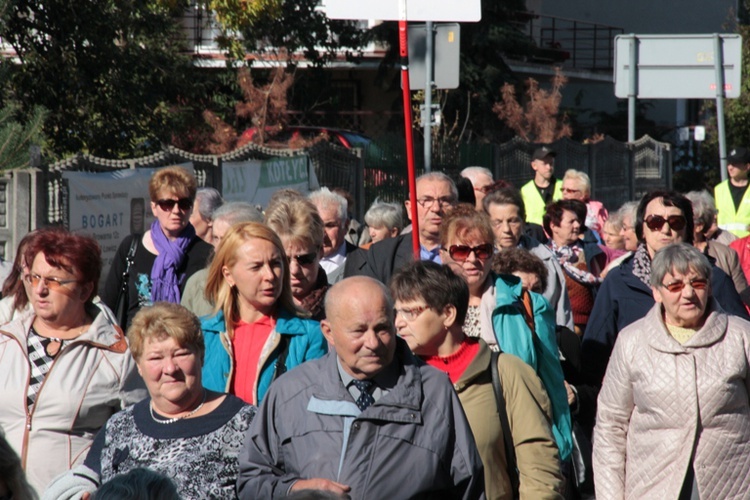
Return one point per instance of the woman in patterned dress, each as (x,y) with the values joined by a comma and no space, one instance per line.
(183,431)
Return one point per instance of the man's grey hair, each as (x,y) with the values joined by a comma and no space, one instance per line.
(234,212)
(207,200)
(628,209)
(324,197)
(678,258)
(439,176)
(704,208)
(471,173)
(581,177)
(383,214)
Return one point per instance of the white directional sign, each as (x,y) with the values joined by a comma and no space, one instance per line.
(416,10)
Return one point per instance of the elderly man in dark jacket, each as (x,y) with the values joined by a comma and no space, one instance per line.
(369,420)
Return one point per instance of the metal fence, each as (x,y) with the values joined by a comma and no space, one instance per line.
(37,197)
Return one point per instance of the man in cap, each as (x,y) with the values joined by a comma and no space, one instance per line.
(732,199)
(544,187)
(367,421)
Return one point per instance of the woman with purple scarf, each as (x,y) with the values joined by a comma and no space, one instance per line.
(166,255)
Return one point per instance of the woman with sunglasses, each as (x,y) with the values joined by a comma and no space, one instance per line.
(257,332)
(65,367)
(502,314)
(166,255)
(673,418)
(625,296)
(298,224)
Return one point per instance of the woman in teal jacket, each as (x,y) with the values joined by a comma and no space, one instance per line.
(257,332)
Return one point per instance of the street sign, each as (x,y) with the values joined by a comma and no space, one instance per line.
(447,55)
(416,10)
(677,66)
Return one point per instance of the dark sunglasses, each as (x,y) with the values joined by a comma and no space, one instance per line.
(304,259)
(185,204)
(677,286)
(656,222)
(461,252)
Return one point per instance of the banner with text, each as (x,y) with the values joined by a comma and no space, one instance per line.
(110,205)
(255,181)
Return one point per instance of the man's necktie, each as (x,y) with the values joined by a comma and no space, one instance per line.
(365,399)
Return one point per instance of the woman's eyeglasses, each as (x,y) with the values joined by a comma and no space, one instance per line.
(50,283)
(410,314)
(185,204)
(461,252)
(678,286)
(656,222)
(304,259)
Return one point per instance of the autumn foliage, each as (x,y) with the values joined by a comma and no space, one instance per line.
(538,118)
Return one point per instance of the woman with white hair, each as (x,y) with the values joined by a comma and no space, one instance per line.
(673,419)
(384,220)
(576,185)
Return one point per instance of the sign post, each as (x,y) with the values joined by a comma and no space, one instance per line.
(679,67)
(416,10)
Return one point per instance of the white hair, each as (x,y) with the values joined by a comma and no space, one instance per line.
(472,173)
(581,177)
(324,197)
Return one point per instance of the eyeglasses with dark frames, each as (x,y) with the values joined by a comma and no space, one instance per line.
(678,286)
(50,282)
(303,259)
(656,222)
(167,205)
(461,252)
(428,201)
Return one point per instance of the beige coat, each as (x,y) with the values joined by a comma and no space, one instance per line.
(93,377)
(663,404)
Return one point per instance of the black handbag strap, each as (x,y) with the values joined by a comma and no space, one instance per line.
(129,259)
(510,450)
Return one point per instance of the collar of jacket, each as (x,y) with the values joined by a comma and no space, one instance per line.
(286,323)
(102,333)
(403,403)
(629,279)
(479,366)
(712,331)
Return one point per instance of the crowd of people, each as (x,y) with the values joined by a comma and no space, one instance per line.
(539,346)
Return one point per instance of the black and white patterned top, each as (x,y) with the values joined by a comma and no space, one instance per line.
(472,325)
(198,454)
(39,362)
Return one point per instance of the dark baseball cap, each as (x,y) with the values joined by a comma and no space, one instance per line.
(738,155)
(540,153)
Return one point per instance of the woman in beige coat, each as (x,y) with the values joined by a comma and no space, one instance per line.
(673,419)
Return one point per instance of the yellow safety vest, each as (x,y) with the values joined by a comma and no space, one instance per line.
(729,219)
(533,202)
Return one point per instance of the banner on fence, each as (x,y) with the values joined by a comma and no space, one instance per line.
(109,205)
(255,181)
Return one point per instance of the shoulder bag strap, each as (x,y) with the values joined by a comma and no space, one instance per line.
(121,308)
(510,450)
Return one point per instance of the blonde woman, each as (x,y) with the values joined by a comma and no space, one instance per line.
(257,332)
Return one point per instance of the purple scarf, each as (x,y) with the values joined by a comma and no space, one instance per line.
(164,281)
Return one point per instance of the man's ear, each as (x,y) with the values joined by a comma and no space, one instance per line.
(325,327)
(407,205)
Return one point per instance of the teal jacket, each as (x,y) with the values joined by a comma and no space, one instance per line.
(514,337)
(305,342)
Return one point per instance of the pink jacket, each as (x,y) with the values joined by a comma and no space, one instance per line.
(662,402)
(596,215)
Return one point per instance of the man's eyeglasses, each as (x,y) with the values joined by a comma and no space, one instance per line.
(461,252)
(428,202)
(410,314)
(571,191)
(677,286)
(656,222)
(303,259)
(185,204)
(50,283)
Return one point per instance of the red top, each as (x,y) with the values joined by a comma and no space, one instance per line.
(455,364)
(247,344)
